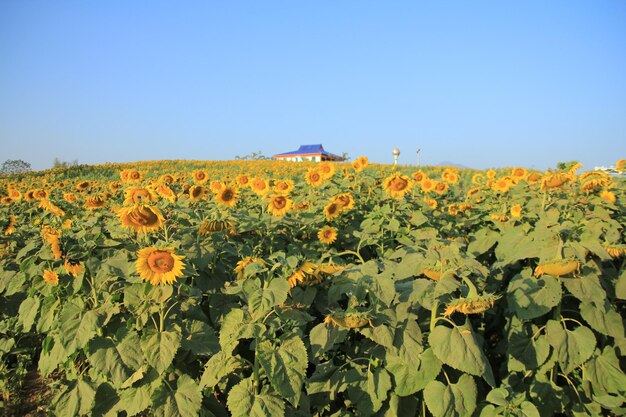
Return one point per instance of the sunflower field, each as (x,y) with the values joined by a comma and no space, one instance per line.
(270,289)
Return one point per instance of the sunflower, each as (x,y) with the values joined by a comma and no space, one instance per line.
(83,186)
(197,192)
(15,194)
(326,169)
(314,178)
(332,210)
(427,185)
(50,207)
(430,202)
(95,202)
(621,165)
(397,185)
(73,268)
(502,185)
(345,200)
(243,180)
(360,163)
(259,186)
(279,204)
(166,192)
(40,194)
(283,186)
(440,187)
(10,228)
(518,174)
(166,178)
(434,274)
(159,266)
(6,200)
(305,274)
(552,180)
(69,197)
(557,267)
(227,196)
(533,177)
(615,250)
(216,186)
(418,176)
(200,176)
(471,305)
(241,266)
(450,176)
(516,211)
(141,218)
(499,217)
(478,178)
(491,174)
(212,226)
(327,235)
(50,277)
(139,195)
(608,196)
(133,176)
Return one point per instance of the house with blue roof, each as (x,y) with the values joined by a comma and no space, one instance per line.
(314,153)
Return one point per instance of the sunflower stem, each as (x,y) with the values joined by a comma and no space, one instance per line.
(161,317)
(433,315)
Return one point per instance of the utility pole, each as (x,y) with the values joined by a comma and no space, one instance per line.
(418,156)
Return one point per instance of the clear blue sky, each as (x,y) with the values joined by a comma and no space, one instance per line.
(478,83)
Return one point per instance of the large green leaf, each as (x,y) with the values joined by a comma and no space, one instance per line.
(378,385)
(410,374)
(243,401)
(262,299)
(458,347)
(218,367)
(454,400)
(105,358)
(531,298)
(78,326)
(76,400)
(28,312)
(161,347)
(236,325)
(605,374)
(586,289)
(603,318)
(285,366)
(573,348)
(482,241)
(323,338)
(185,401)
(52,355)
(200,338)
(527,353)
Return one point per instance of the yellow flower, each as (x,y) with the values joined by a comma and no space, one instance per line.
(327,235)
(73,268)
(259,186)
(159,266)
(139,195)
(491,174)
(397,185)
(516,211)
(431,202)
(332,210)
(227,196)
(608,196)
(241,266)
(428,185)
(345,201)
(314,178)
(440,187)
(279,205)
(94,202)
(197,192)
(50,207)
(418,176)
(615,250)
(360,163)
(216,186)
(141,218)
(502,185)
(558,267)
(499,217)
(50,277)
(200,176)
(621,165)
(326,169)
(471,305)
(552,180)
(283,186)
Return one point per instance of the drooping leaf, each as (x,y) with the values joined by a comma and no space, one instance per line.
(527,353)
(458,347)
(454,400)
(285,366)
(243,401)
(603,318)
(76,400)
(410,375)
(586,289)
(105,357)
(605,373)
(573,347)
(323,338)
(78,326)
(378,385)
(28,312)
(262,299)
(200,338)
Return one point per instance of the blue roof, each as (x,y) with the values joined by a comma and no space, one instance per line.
(306,149)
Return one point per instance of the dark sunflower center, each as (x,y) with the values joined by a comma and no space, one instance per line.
(160,262)
(144,217)
(279,202)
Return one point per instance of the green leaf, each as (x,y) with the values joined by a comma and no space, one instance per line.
(161,347)
(380,334)
(531,298)
(200,338)
(454,400)
(605,374)
(526,353)
(135,400)
(285,366)
(106,359)
(378,385)
(410,375)
(603,318)
(218,367)
(28,312)
(573,348)
(185,401)
(323,338)
(236,325)
(261,300)
(52,355)
(243,401)
(620,286)
(76,400)
(482,241)
(78,326)
(587,288)
(458,347)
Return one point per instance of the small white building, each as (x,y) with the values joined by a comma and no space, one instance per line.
(314,153)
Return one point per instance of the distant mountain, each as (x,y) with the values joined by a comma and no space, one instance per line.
(451,164)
